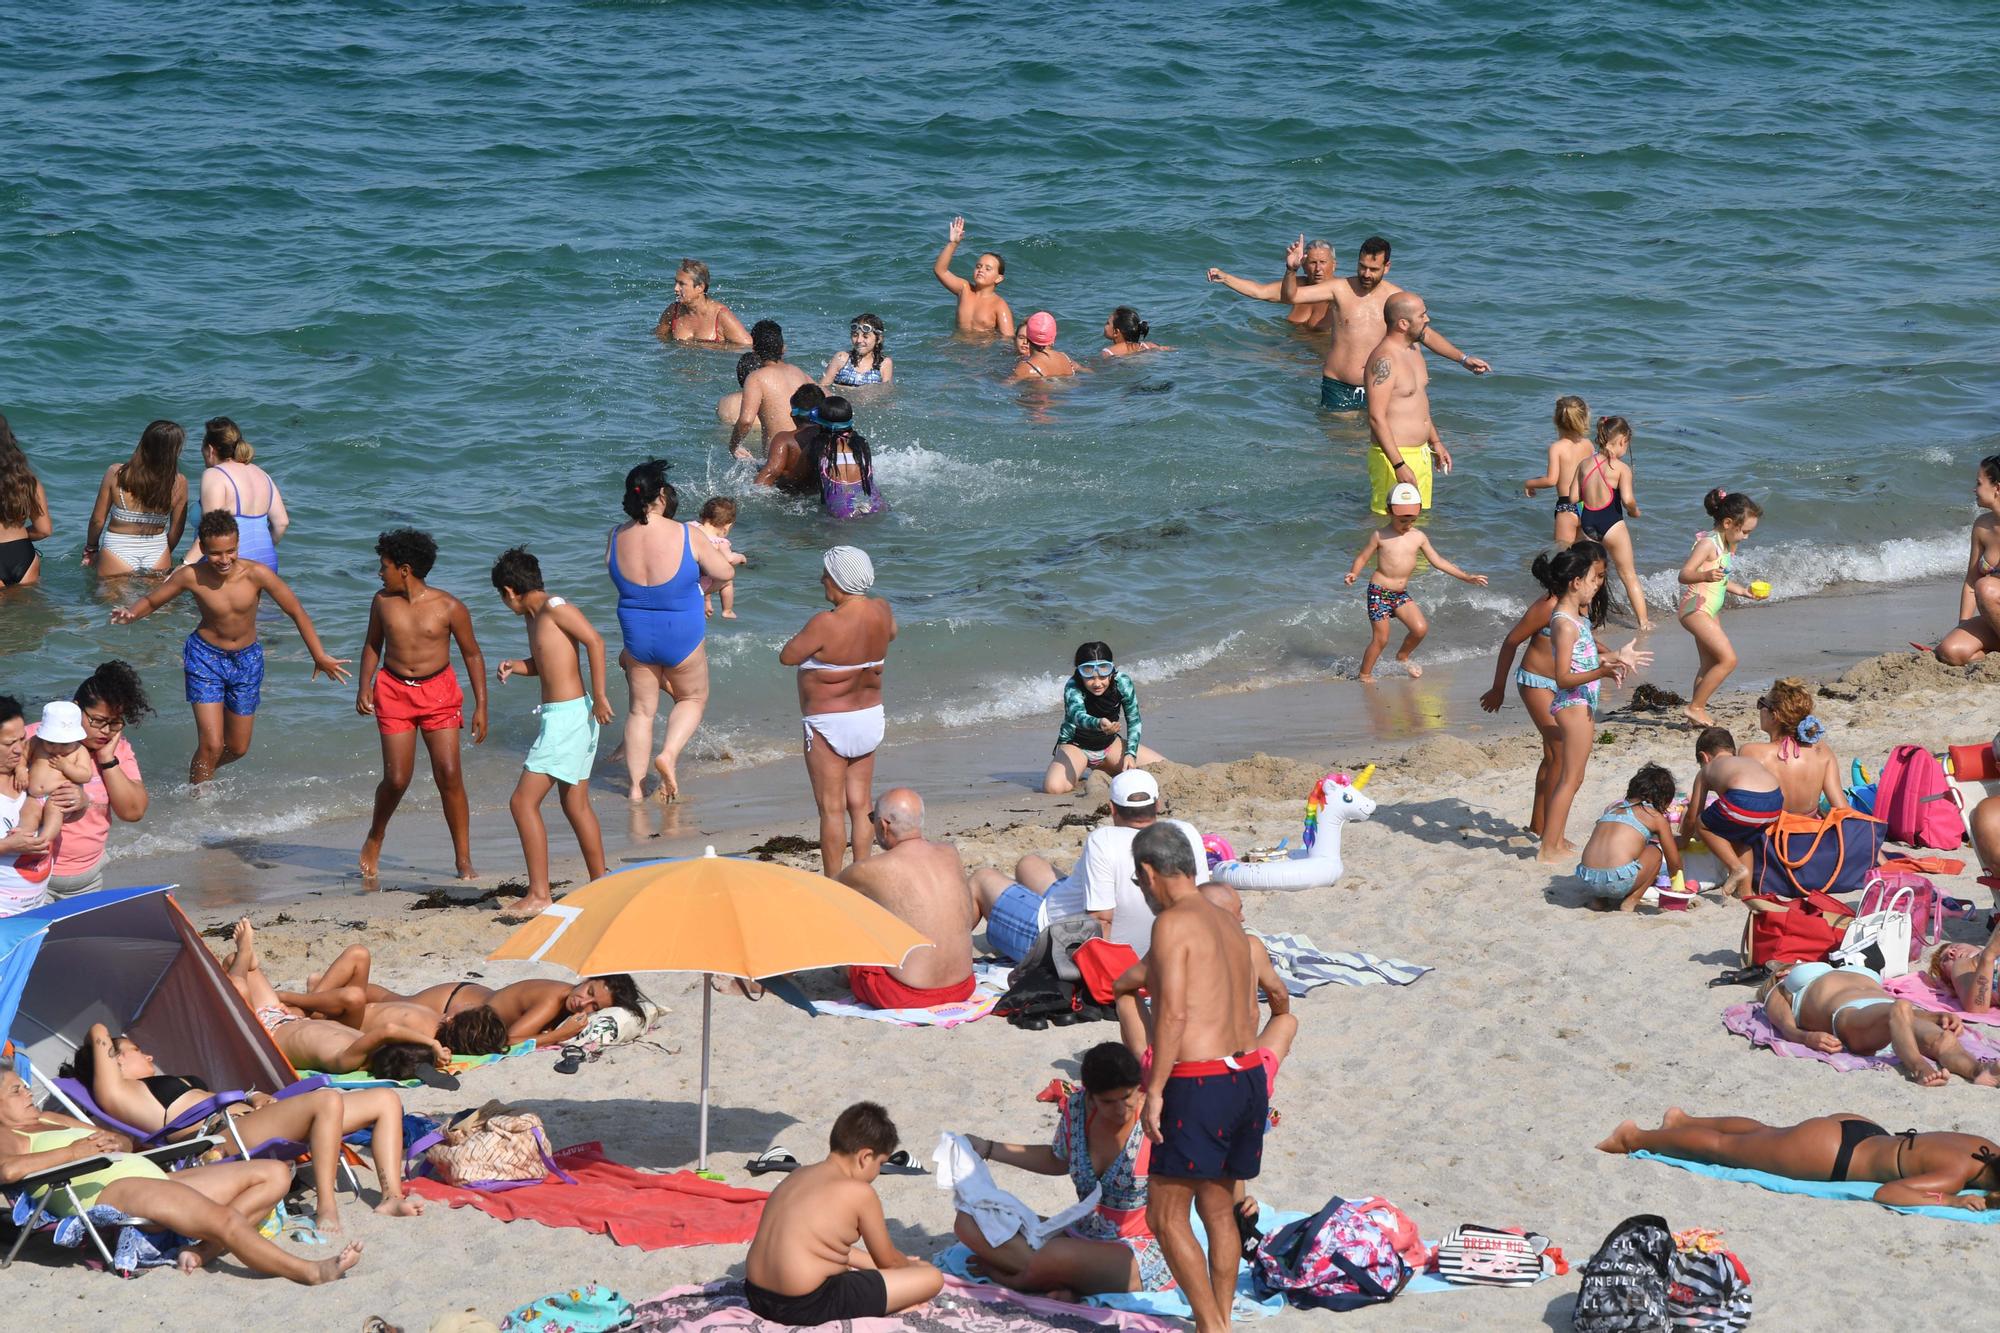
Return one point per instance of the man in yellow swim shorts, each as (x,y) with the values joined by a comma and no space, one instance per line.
(1402,438)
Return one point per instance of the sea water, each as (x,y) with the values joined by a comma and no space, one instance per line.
(417,252)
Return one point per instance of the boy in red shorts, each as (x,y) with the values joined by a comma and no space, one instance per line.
(410,631)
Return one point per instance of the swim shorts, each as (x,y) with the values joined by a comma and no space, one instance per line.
(1212,1119)
(233,678)
(1019,914)
(857,1293)
(1385,602)
(428,703)
(874,987)
(566,746)
(1612,882)
(1340,396)
(1741,817)
(1381,480)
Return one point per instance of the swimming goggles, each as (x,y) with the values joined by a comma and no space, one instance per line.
(1094,670)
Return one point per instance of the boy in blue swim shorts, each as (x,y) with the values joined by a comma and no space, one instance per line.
(223,659)
(566,744)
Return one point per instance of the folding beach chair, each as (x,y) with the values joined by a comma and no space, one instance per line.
(31,1196)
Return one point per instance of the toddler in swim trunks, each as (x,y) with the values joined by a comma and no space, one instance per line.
(718,516)
(566,744)
(1632,839)
(1396,549)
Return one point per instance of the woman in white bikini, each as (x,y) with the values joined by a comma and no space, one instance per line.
(840,656)
(141,508)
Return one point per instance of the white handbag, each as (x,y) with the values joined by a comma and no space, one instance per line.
(1880,940)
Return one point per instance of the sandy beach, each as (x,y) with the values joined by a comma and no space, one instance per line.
(1474,1095)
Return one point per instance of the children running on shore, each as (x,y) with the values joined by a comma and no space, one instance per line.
(1396,548)
(718,516)
(407,685)
(1632,839)
(1602,486)
(822,1252)
(1566,452)
(1577,670)
(1706,583)
(222,657)
(566,745)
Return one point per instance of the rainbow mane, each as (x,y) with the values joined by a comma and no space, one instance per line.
(1316,802)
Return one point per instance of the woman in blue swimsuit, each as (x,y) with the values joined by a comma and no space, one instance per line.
(234,483)
(656,565)
(869,362)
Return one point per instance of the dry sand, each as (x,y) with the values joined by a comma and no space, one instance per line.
(1474,1095)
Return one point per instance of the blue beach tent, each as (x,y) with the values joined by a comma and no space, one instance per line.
(130,959)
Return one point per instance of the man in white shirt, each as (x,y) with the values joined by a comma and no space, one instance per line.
(1102,884)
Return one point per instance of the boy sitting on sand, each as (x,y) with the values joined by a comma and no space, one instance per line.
(1747,800)
(223,658)
(1632,837)
(566,745)
(803,1267)
(408,686)
(1396,549)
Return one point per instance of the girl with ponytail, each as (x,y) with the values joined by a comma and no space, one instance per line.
(1706,583)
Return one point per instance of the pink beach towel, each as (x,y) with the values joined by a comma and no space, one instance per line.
(648,1209)
(1925,993)
(961,1307)
(1748,1021)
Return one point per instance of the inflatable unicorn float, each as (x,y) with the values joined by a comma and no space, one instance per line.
(1335,801)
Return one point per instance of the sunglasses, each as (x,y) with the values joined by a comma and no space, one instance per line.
(1094,670)
(1764,703)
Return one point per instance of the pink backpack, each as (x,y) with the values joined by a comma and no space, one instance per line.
(1926,908)
(1919,805)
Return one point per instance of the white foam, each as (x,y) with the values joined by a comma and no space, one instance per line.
(1003,700)
(1800,569)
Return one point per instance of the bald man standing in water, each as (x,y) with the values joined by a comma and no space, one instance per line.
(1402,439)
(1317,268)
(1357,324)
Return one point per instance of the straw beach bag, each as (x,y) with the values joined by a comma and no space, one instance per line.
(494,1147)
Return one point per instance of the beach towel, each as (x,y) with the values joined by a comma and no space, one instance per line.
(1922,990)
(1302,966)
(961,1307)
(1863,1190)
(990,981)
(649,1209)
(1748,1020)
(361,1078)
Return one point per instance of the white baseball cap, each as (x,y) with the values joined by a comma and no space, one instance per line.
(1405,494)
(1134,787)
(62,722)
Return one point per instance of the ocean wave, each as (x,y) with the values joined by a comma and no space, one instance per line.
(1005,700)
(1800,569)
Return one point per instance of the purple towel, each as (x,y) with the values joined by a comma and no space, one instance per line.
(1747,1020)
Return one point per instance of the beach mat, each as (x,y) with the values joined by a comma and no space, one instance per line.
(1303,966)
(961,1307)
(1862,1190)
(1925,993)
(1747,1020)
(991,984)
(361,1078)
(646,1209)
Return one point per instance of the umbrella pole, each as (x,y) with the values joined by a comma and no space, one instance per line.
(707,1005)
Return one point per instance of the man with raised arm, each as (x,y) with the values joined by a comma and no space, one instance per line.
(1314,316)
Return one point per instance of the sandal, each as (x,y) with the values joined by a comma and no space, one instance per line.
(772,1159)
(1755,974)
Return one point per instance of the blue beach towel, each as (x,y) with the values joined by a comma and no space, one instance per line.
(1861,1190)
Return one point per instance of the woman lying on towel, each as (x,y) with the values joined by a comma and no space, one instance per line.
(1913,1169)
(125,1082)
(1829,1008)
(1098,1141)
(220,1205)
(395,1050)
(1968,971)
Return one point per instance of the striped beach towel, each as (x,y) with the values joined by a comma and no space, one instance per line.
(1302,966)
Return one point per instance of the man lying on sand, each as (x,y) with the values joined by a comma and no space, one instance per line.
(822,1250)
(549,1012)
(394,1050)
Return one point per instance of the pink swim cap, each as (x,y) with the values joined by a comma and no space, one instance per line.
(1042,328)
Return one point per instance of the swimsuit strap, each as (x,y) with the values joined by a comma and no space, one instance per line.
(238,504)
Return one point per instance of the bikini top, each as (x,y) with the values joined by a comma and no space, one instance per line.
(814,664)
(847,374)
(120,514)
(1621,813)
(170,1088)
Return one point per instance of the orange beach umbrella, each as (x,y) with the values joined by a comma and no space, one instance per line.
(717,915)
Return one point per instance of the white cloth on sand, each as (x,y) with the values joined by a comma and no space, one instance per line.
(998,1214)
(1302,966)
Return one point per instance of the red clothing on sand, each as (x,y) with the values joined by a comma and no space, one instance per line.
(873,986)
(435,703)
(651,1211)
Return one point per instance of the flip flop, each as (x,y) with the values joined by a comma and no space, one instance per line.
(432,1076)
(899,1164)
(772,1159)
(1247,1234)
(1743,976)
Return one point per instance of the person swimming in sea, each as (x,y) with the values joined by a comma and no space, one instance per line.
(980,308)
(1125,333)
(1041,360)
(868,362)
(1601,484)
(840,457)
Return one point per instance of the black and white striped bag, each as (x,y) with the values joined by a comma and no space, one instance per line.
(1487,1257)
(1708,1290)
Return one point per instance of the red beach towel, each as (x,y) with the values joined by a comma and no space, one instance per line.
(642,1208)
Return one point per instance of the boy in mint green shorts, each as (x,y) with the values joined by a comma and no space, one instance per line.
(566,745)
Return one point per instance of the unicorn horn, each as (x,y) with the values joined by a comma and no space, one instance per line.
(1362,780)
